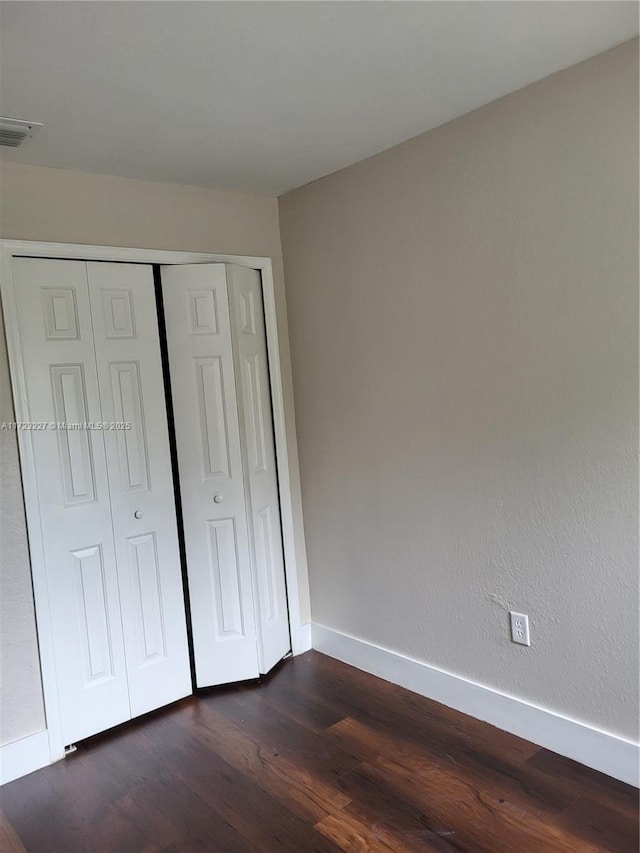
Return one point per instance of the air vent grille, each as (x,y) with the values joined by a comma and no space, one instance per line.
(13,138)
(14,131)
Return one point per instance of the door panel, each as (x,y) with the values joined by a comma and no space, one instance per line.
(141,483)
(252,374)
(89,577)
(211,475)
(214,433)
(225,578)
(74,446)
(73,494)
(151,630)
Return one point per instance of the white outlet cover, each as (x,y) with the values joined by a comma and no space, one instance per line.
(519,628)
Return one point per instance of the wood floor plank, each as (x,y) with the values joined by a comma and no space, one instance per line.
(268,723)
(461,799)
(377,805)
(475,746)
(9,839)
(291,694)
(504,785)
(363,696)
(306,795)
(316,757)
(352,829)
(261,820)
(360,696)
(477,823)
(577,778)
(599,824)
(113,791)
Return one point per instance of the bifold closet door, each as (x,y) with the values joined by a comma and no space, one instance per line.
(73,495)
(210,470)
(224,437)
(127,344)
(91,354)
(261,479)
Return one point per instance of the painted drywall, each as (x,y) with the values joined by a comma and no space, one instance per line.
(463,314)
(268,97)
(21,708)
(71,207)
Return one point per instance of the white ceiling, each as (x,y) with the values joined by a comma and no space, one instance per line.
(266,96)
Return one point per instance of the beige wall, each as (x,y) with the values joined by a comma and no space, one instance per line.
(71,207)
(21,707)
(463,314)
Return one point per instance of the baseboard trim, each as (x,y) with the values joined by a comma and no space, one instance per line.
(598,749)
(24,756)
(301,639)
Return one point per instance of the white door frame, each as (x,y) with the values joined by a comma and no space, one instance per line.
(292,538)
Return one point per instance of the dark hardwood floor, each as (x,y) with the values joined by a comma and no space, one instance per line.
(317,757)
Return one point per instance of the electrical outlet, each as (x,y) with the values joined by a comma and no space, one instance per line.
(519,628)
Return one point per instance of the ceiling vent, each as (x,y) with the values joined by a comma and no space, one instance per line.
(14,131)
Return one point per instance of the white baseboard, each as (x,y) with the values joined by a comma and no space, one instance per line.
(301,639)
(601,750)
(24,756)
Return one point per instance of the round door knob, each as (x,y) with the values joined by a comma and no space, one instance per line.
(138,513)
(217,499)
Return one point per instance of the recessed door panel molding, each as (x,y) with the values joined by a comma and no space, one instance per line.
(132,395)
(60,313)
(73,495)
(74,446)
(212,418)
(217,536)
(225,581)
(263,500)
(150,626)
(117,306)
(265,551)
(203,312)
(247,318)
(91,613)
(128,409)
(254,413)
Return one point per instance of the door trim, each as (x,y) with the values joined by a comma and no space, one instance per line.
(285,440)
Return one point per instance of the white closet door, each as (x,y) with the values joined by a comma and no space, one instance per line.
(73,494)
(211,476)
(256,419)
(139,468)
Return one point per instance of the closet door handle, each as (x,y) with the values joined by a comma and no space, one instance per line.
(217,499)
(138,513)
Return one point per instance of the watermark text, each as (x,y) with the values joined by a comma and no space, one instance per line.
(64,425)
